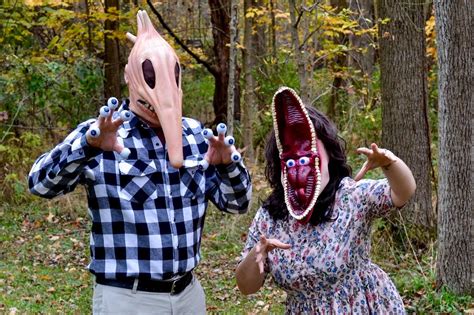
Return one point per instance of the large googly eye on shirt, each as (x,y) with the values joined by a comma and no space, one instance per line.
(149,73)
(303,160)
(177,72)
(290,163)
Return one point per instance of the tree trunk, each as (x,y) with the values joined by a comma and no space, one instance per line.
(249,91)
(112,57)
(455,260)
(232,63)
(299,57)
(364,60)
(220,20)
(340,61)
(405,128)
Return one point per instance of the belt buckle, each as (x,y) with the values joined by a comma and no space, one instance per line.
(173,286)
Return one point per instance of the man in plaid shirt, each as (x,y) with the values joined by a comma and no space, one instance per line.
(147,206)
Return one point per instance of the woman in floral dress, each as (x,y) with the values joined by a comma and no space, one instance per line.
(323,262)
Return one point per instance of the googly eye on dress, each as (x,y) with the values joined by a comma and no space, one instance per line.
(304,160)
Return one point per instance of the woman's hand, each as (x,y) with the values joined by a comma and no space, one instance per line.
(264,247)
(376,157)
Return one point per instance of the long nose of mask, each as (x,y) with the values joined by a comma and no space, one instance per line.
(153,76)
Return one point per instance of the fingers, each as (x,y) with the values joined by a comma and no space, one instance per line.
(362,171)
(364,151)
(221,130)
(278,244)
(222,141)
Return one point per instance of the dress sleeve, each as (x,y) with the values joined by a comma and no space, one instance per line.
(375,197)
(259,226)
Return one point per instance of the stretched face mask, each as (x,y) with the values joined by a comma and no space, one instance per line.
(304,172)
(153,78)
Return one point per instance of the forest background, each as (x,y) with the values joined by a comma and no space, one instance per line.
(398,73)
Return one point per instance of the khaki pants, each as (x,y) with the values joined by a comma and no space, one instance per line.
(112,300)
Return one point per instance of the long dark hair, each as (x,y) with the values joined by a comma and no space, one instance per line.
(338,169)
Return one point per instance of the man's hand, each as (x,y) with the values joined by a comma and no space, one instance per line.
(264,247)
(103,133)
(221,148)
(376,157)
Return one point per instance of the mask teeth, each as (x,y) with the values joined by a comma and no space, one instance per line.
(275,124)
(280,150)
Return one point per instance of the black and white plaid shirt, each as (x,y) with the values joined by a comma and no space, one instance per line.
(147,217)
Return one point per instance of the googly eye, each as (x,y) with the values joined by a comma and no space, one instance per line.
(112,103)
(104,111)
(229,140)
(207,133)
(221,128)
(125,115)
(290,163)
(94,132)
(203,165)
(304,160)
(236,157)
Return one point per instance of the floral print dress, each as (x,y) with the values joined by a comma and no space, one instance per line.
(328,269)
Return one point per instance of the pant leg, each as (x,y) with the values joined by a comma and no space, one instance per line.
(191,301)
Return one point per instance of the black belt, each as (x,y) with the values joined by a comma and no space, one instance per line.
(161,286)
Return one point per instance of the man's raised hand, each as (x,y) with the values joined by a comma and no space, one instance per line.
(102,133)
(221,148)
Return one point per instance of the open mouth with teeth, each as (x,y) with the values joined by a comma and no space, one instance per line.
(146,105)
(300,160)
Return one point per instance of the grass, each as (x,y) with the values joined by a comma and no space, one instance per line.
(44,252)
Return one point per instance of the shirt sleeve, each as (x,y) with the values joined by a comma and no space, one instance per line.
(230,188)
(58,171)
(375,197)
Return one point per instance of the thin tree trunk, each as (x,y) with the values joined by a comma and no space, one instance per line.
(405,128)
(299,58)
(339,62)
(232,62)
(455,263)
(112,57)
(249,91)
(364,60)
(273,29)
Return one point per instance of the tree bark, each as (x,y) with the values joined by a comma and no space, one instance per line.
(220,20)
(232,64)
(339,62)
(405,128)
(249,105)
(363,13)
(111,56)
(455,259)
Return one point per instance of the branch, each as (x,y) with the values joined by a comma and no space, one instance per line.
(205,63)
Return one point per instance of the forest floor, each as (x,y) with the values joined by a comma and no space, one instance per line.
(44,252)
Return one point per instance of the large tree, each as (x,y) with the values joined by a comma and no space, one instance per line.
(405,127)
(455,267)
